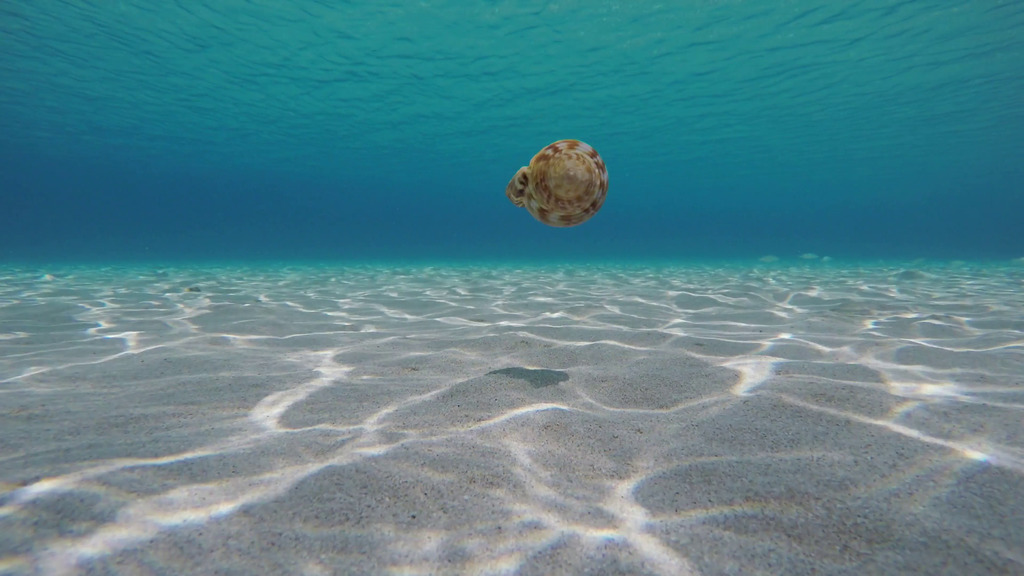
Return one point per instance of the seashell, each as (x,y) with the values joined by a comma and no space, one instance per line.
(564,185)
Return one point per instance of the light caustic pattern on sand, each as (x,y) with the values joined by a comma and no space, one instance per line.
(499,421)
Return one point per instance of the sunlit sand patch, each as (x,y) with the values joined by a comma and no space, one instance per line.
(634,527)
(681,406)
(628,522)
(190,504)
(16,499)
(547,384)
(267,413)
(975,452)
(754,371)
(511,414)
(926,390)
(193,504)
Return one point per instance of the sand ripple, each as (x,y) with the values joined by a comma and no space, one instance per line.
(624,420)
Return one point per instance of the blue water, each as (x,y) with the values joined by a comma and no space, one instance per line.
(264,129)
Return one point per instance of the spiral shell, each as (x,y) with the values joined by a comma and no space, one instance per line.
(564,185)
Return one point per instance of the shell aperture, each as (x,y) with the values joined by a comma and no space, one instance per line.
(564,185)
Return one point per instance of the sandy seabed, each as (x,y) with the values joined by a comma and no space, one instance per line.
(803,419)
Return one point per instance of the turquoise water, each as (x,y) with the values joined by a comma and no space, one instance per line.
(266,308)
(255,130)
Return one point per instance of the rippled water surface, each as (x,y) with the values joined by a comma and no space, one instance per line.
(143,129)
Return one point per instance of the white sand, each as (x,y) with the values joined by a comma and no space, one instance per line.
(768,420)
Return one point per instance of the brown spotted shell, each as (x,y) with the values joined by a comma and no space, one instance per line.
(564,185)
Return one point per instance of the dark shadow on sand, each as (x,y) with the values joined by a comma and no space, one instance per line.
(537,377)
